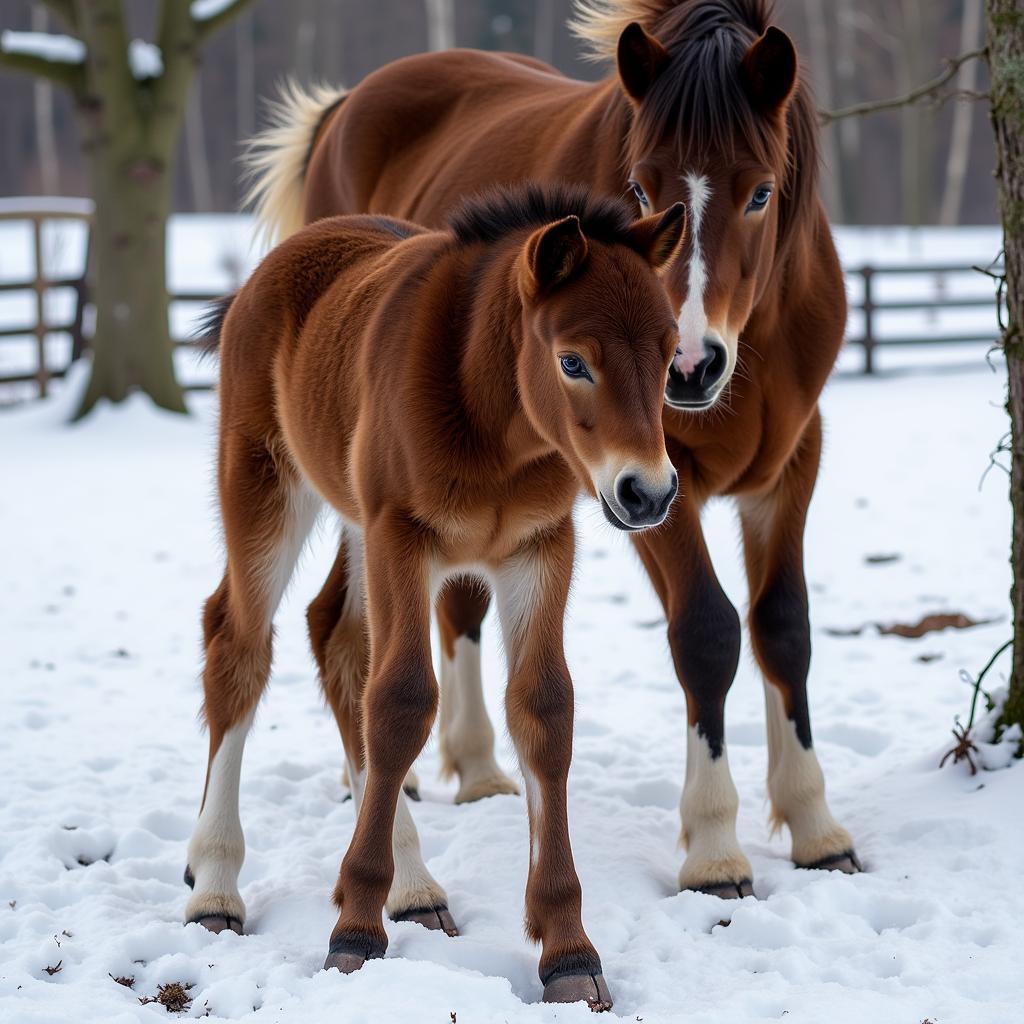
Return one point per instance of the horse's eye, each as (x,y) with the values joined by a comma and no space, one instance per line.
(573,366)
(640,194)
(759,200)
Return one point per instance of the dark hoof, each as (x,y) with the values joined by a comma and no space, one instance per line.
(190,879)
(574,988)
(847,863)
(218,923)
(348,953)
(729,890)
(347,963)
(437,919)
(412,793)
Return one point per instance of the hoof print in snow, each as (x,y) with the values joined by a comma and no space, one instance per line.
(218,923)
(436,919)
(846,863)
(575,988)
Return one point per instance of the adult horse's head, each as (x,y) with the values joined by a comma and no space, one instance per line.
(713,92)
(598,336)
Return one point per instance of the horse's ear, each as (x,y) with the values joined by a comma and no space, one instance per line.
(641,58)
(769,70)
(554,253)
(657,237)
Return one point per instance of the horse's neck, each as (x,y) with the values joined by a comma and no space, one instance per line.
(593,150)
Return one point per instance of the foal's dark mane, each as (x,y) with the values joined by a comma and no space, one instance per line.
(491,215)
(699,99)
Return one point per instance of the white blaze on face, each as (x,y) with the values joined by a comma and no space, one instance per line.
(693,321)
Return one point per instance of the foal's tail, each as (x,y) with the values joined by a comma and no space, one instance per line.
(211,322)
(275,160)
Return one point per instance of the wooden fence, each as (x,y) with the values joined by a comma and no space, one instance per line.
(867,304)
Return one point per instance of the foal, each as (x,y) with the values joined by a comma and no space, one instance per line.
(448,394)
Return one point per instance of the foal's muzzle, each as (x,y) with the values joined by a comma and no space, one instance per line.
(700,388)
(638,503)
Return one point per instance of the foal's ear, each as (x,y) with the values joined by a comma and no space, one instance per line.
(769,70)
(657,237)
(554,253)
(641,58)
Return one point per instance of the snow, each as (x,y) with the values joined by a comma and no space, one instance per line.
(62,49)
(203,10)
(109,547)
(145,59)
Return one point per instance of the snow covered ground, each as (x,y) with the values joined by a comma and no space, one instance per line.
(107,548)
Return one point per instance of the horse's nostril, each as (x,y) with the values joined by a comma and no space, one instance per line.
(699,387)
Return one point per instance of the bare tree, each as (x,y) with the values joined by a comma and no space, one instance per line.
(963,118)
(821,66)
(544,25)
(245,76)
(1005,20)
(130,103)
(440,24)
(195,148)
(46,135)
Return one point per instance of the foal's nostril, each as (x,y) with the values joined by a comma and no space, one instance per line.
(630,495)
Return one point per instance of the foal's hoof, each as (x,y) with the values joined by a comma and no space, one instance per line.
(411,792)
(190,879)
(437,919)
(495,784)
(347,953)
(847,862)
(729,890)
(575,988)
(218,923)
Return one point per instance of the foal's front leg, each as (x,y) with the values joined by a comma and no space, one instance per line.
(532,589)
(398,710)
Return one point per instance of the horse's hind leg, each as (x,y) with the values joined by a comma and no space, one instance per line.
(268,513)
(338,634)
(466,733)
(773,527)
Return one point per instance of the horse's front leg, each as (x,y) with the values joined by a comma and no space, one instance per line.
(399,705)
(532,589)
(466,733)
(704,637)
(773,530)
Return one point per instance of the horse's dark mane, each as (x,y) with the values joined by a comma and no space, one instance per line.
(493,214)
(700,101)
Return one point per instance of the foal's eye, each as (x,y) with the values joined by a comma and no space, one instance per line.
(759,200)
(640,194)
(573,366)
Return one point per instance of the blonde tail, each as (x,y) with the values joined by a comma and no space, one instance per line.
(275,159)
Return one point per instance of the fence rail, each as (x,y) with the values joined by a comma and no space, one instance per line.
(868,304)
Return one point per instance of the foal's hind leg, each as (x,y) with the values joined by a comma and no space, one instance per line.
(268,513)
(340,641)
(467,736)
(773,528)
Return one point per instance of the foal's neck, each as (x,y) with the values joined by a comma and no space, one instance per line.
(489,367)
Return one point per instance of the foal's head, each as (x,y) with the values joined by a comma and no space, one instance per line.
(598,337)
(719,124)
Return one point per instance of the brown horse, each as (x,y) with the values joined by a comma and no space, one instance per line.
(707,107)
(448,394)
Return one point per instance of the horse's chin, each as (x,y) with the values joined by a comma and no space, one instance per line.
(615,521)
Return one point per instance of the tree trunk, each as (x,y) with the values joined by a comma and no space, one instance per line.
(46,135)
(440,24)
(963,119)
(1005,45)
(129,246)
(821,73)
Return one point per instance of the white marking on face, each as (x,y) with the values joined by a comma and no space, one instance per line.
(693,320)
